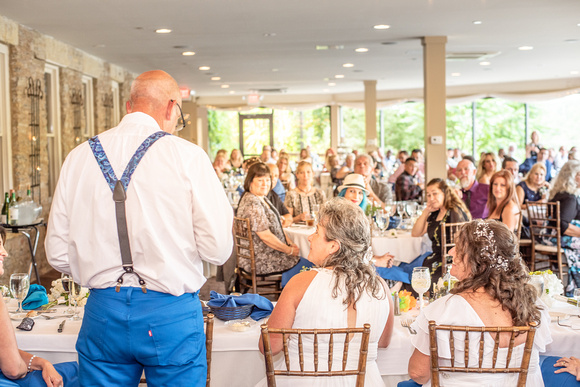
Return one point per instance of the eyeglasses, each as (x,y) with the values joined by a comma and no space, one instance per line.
(180,121)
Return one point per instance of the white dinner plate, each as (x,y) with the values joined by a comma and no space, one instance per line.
(554,316)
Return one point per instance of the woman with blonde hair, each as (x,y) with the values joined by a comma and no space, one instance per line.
(300,201)
(502,201)
(534,187)
(488,165)
(286,176)
(236,159)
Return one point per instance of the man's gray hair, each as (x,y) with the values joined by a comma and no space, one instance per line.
(368,157)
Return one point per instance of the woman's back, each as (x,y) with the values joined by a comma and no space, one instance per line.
(318,309)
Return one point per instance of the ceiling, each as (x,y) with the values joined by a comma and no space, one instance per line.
(271,44)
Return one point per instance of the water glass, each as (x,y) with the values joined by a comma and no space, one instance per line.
(383,221)
(19,285)
(577,298)
(421,282)
(74,291)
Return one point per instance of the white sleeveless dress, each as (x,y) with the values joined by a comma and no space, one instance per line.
(455,310)
(318,309)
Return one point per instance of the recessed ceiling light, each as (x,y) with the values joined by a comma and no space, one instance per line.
(525,48)
(571,40)
(320,47)
(163,31)
(348,65)
(339,76)
(188,53)
(574,72)
(484,63)
(232,92)
(332,84)
(275,70)
(270,34)
(455,74)
(225,86)
(382,27)
(361,49)
(325,90)
(477,22)
(204,68)
(216,78)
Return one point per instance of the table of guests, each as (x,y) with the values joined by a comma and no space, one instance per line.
(237,361)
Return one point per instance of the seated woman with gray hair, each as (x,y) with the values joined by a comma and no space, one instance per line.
(343,290)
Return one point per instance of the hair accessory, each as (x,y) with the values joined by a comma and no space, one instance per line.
(485,234)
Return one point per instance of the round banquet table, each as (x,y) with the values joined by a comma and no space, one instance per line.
(404,247)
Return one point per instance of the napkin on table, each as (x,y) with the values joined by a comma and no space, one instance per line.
(36,297)
(262,306)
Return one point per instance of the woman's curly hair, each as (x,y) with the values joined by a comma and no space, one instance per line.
(508,284)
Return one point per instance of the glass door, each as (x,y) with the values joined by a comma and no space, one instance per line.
(256,130)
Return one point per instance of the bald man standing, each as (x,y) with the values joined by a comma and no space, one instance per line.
(138,242)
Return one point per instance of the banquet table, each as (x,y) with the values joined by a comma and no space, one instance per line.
(236,360)
(403,246)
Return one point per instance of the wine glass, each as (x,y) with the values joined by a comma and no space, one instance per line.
(401,208)
(74,291)
(383,224)
(411,208)
(314,211)
(19,285)
(421,282)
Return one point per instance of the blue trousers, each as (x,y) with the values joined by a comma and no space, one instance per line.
(126,333)
(69,372)
(555,380)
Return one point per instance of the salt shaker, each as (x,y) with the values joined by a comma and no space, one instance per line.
(397,311)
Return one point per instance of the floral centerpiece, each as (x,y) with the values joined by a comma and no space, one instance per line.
(58,296)
(442,287)
(406,301)
(552,285)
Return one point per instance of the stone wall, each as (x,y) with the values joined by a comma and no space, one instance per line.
(29,52)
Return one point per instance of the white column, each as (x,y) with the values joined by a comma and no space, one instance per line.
(334,126)
(371,115)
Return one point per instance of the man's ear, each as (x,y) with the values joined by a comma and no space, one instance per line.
(128,107)
(169,109)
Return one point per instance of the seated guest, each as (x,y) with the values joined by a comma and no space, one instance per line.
(566,375)
(542,157)
(406,187)
(19,368)
(343,291)
(474,194)
(417,154)
(276,199)
(443,205)
(377,191)
(502,202)
(566,190)
(236,159)
(301,199)
(220,165)
(305,156)
(354,190)
(493,290)
(266,156)
(286,176)
(535,187)
(488,165)
(511,165)
(273,250)
(327,164)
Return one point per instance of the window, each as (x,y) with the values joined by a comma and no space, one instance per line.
(88,127)
(51,96)
(5,148)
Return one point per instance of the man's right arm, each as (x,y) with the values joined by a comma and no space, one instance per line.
(57,234)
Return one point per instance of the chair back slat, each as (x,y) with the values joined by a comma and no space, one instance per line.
(448,236)
(208,320)
(466,347)
(522,370)
(545,223)
(359,372)
(451,348)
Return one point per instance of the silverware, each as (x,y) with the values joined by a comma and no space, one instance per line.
(53,317)
(407,324)
(61,326)
(567,326)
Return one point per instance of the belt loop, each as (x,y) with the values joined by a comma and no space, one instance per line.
(129,294)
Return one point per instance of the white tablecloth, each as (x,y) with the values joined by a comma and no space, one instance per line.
(404,247)
(236,360)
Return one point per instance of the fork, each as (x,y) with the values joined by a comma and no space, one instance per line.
(407,324)
(53,317)
(567,326)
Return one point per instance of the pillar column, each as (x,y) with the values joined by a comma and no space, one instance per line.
(434,97)
(334,126)
(370,115)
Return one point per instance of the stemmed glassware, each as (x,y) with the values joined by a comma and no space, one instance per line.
(577,297)
(314,210)
(74,291)
(382,221)
(421,282)
(411,208)
(19,285)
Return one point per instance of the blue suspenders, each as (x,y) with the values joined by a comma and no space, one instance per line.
(119,189)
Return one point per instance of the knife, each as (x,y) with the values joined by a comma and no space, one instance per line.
(61,326)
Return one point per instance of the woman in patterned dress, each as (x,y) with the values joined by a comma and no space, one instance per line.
(300,200)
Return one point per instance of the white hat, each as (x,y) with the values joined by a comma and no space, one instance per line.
(354,180)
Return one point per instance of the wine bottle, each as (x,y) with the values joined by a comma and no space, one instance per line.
(4,217)
(13,210)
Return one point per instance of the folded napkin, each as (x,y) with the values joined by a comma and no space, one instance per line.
(36,297)
(262,306)
(302,265)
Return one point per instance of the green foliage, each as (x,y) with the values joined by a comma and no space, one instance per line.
(353,133)
(404,127)
(223,131)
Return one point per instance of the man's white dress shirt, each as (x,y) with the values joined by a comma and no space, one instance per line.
(177,213)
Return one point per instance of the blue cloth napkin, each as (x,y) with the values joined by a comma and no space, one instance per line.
(302,265)
(36,297)
(402,272)
(262,306)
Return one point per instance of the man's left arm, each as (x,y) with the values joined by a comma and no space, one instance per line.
(212,214)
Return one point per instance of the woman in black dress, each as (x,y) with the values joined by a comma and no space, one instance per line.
(443,205)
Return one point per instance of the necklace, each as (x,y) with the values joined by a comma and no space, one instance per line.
(306,192)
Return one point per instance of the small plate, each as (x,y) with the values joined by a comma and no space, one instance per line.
(239,325)
(554,316)
(20,316)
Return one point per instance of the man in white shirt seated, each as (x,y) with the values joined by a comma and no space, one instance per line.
(140,253)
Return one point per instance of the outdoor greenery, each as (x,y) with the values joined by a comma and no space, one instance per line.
(498,123)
